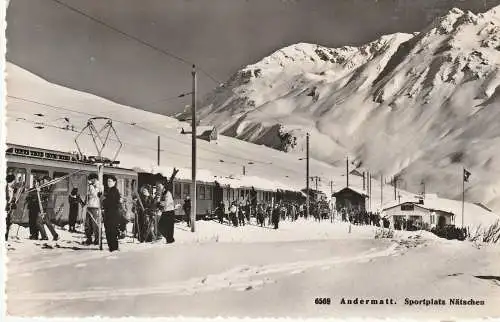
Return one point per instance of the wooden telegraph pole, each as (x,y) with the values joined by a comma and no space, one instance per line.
(193,151)
(347,171)
(100,175)
(381,192)
(307,175)
(158,151)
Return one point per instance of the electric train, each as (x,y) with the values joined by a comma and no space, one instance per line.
(29,164)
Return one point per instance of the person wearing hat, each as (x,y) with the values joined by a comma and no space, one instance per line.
(75,201)
(111,206)
(187,210)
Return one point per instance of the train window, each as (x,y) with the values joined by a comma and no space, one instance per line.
(59,174)
(19,173)
(133,185)
(186,190)
(62,185)
(121,185)
(201,192)
(127,187)
(208,192)
(37,175)
(177,190)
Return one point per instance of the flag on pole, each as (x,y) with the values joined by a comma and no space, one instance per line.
(466,175)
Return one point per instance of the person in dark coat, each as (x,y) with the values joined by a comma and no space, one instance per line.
(75,201)
(275,217)
(260,215)
(247,211)
(111,204)
(241,216)
(33,210)
(187,210)
(220,212)
(144,208)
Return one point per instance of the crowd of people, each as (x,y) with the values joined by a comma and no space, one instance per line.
(102,206)
(359,216)
(154,211)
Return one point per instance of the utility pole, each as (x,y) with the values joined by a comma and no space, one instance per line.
(100,176)
(394,183)
(370,185)
(381,192)
(193,151)
(331,201)
(158,150)
(244,171)
(347,170)
(316,179)
(463,195)
(364,181)
(307,175)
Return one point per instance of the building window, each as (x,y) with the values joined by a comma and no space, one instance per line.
(407,207)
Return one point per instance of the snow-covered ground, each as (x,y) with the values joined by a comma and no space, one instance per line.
(252,271)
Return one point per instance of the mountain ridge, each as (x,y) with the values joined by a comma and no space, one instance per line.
(418,105)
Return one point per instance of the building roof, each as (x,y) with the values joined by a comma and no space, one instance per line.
(353,189)
(416,204)
(356,172)
(474,215)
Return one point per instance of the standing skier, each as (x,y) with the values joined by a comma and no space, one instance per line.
(111,205)
(75,201)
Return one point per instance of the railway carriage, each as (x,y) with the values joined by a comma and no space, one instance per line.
(29,164)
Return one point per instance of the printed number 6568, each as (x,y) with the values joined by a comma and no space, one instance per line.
(322,300)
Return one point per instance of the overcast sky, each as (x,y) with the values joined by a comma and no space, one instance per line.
(221,36)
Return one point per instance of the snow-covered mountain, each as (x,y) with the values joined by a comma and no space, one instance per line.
(420,105)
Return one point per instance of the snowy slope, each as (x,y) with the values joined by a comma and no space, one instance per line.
(223,161)
(138,130)
(420,105)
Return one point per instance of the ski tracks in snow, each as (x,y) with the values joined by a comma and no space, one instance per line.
(241,278)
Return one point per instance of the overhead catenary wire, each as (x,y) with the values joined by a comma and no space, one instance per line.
(186,155)
(137,39)
(57,107)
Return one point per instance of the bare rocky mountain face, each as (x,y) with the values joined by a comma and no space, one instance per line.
(421,106)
